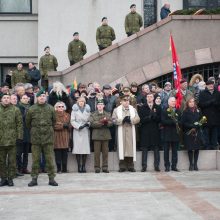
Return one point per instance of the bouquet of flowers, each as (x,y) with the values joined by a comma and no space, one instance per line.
(199,123)
(174,116)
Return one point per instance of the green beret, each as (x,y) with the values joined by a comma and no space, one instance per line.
(2,94)
(100,101)
(42,91)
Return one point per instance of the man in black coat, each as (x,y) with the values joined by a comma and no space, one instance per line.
(34,74)
(149,115)
(171,134)
(209,102)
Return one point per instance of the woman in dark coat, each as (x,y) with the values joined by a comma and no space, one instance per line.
(149,115)
(191,132)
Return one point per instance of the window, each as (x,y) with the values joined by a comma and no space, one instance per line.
(16,6)
(190,4)
(150,12)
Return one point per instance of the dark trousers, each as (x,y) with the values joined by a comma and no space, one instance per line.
(193,156)
(22,155)
(44,84)
(156,156)
(211,137)
(174,147)
(127,163)
(101,146)
(111,144)
(7,162)
(61,156)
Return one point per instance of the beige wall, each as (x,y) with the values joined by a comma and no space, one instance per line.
(58,20)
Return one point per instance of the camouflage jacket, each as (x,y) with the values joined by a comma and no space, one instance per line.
(11,127)
(105,35)
(100,131)
(47,63)
(40,120)
(76,50)
(133,23)
(19,76)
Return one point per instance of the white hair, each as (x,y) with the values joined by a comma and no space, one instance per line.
(171,99)
(58,103)
(59,88)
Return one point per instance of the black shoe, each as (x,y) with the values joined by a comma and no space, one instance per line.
(157,169)
(175,169)
(79,169)
(52,182)
(33,182)
(83,169)
(144,169)
(195,167)
(105,171)
(4,182)
(122,170)
(10,182)
(167,169)
(191,167)
(97,170)
(131,170)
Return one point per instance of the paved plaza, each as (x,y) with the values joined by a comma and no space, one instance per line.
(115,196)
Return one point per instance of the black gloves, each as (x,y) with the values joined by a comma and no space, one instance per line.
(101,47)
(126,119)
(66,125)
(129,34)
(83,126)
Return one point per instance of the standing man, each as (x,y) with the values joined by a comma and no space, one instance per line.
(165,11)
(40,120)
(125,117)
(133,21)
(150,117)
(10,132)
(100,122)
(104,35)
(47,63)
(34,74)
(76,49)
(19,75)
(165,95)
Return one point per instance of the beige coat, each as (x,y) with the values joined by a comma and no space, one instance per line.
(128,136)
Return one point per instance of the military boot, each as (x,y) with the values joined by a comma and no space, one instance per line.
(10,182)
(33,182)
(4,182)
(52,182)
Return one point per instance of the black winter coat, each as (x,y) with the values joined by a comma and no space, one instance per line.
(35,76)
(169,126)
(150,119)
(191,141)
(210,106)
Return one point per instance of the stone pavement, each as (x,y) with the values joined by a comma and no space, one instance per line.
(115,196)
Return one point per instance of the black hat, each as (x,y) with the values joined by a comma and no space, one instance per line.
(133,5)
(100,101)
(107,86)
(42,91)
(76,33)
(104,18)
(46,48)
(19,63)
(210,82)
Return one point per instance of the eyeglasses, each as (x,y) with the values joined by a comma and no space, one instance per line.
(60,106)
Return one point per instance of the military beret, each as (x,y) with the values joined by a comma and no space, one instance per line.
(76,33)
(134,84)
(125,97)
(19,63)
(183,81)
(3,94)
(42,91)
(100,101)
(107,86)
(133,5)
(126,89)
(46,48)
(104,18)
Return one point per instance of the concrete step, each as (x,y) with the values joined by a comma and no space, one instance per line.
(208,160)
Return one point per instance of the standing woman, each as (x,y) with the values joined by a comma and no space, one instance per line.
(61,136)
(80,122)
(191,129)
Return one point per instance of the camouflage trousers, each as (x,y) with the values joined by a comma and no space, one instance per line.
(7,162)
(49,158)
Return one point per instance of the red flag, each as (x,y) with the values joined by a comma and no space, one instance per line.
(177,75)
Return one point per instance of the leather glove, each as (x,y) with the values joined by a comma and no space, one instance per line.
(66,125)
(129,34)
(126,119)
(81,127)
(101,47)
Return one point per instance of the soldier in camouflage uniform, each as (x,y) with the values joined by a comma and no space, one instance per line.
(11,129)
(76,49)
(104,35)
(19,75)
(100,122)
(133,21)
(40,120)
(47,63)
